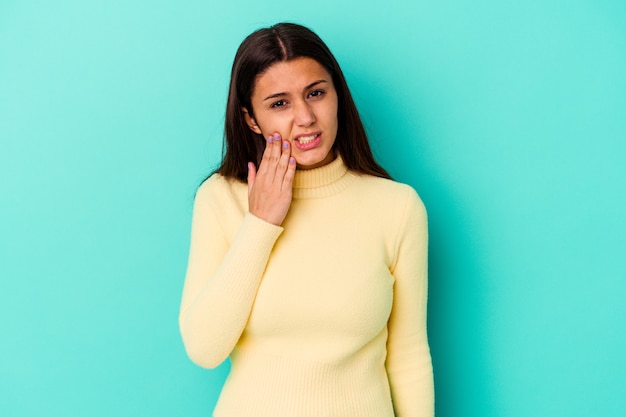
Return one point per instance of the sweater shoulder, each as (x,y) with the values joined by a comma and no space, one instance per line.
(218,187)
(215,183)
(227,198)
(394,193)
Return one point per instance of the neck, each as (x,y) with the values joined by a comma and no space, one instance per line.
(322,181)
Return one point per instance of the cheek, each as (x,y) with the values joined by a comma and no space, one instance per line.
(270,123)
(264,124)
(332,121)
(332,112)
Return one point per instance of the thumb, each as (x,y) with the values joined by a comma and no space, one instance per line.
(251,176)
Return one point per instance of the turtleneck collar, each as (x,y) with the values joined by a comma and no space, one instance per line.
(323,181)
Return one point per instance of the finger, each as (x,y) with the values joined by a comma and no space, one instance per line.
(251,176)
(283,162)
(290,174)
(276,147)
(270,159)
(266,154)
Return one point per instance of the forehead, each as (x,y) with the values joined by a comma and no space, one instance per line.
(290,76)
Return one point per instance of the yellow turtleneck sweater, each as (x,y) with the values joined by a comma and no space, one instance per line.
(324,316)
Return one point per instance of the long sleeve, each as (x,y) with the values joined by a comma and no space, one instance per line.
(408,363)
(223,276)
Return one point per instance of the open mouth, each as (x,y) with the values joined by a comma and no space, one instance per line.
(307,142)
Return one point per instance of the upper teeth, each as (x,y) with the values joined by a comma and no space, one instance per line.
(306,139)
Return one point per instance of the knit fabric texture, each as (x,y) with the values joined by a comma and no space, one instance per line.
(322,316)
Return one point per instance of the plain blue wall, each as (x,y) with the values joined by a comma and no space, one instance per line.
(508,117)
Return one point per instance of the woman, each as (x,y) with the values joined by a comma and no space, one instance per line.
(307,263)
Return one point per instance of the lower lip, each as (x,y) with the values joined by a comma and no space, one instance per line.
(309,145)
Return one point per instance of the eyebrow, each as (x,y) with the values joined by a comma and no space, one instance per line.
(313,84)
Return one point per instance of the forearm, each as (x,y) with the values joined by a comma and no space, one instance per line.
(221,284)
(411,379)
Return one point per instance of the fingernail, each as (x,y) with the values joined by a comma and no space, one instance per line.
(249,166)
(285,144)
(270,139)
(292,160)
(276,136)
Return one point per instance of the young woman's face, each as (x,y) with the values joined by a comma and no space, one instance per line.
(297,99)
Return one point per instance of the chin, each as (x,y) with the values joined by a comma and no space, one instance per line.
(313,162)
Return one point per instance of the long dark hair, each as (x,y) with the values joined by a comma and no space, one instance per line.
(260,50)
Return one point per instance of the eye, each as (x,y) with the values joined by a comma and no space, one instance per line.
(278,104)
(316,93)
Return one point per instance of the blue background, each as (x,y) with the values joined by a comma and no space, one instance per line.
(508,117)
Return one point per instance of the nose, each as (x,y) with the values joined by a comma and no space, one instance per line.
(304,115)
